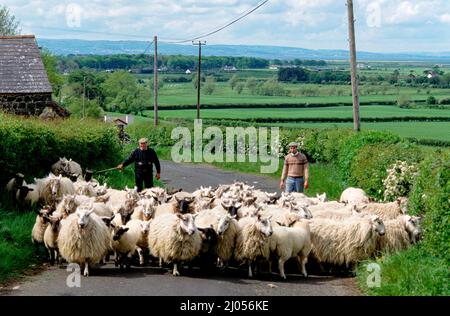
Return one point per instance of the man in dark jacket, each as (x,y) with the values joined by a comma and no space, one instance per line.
(143,158)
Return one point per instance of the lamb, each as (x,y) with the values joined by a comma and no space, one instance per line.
(291,242)
(253,241)
(347,241)
(125,239)
(51,237)
(177,205)
(40,225)
(84,238)
(354,196)
(386,211)
(174,238)
(400,233)
(14,185)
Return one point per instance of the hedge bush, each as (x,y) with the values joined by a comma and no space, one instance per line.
(31,146)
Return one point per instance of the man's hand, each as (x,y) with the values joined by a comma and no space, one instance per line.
(120,167)
(306,184)
(282,185)
(158,176)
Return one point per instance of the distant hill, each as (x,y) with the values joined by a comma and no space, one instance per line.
(82,47)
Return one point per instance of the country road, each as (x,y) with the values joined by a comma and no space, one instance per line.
(108,280)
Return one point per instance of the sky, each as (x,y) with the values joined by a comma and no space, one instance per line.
(381,25)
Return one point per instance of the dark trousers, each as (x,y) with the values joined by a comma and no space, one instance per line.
(144,178)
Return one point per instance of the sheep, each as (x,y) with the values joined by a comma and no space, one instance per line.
(85,188)
(118,197)
(159,193)
(145,209)
(347,241)
(203,203)
(174,238)
(354,196)
(69,204)
(320,211)
(66,168)
(51,237)
(14,185)
(124,212)
(280,216)
(291,242)
(177,205)
(230,206)
(53,187)
(386,211)
(203,192)
(400,233)
(208,250)
(27,196)
(221,189)
(40,225)
(83,238)
(252,241)
(265,197)
(125,239)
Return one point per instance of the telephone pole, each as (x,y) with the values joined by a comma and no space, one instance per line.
(84,96)
(351,31)
(199,43)
(155,82)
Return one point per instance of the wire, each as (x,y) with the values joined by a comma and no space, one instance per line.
(238,18)
(149,45)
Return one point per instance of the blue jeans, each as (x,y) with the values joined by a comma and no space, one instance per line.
(294,184)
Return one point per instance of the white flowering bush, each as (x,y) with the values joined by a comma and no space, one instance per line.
(400,177)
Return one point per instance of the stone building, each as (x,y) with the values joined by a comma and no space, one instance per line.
(24,85)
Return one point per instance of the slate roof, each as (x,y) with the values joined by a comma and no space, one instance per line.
(21,67)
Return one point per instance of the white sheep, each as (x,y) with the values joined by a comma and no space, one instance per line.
(354,196)
(252,241)
(386,211)
(291,242)
(174,238)
(176,205)
(51,238)
(145,209)
(124,241)
(346,241)
(28,196)
(51,188)
(84,238)
(40,225)
(400,233)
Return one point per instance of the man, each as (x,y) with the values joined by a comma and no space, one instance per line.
(143,157)
(296,170)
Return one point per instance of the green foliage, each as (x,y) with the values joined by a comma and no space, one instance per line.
(239,87)
(124,94)
(271,87)
(430,197)
(252,85)
(352,145)
(210,85)
(431,100)
(56,80)
(89,109)
(31,146)
(414,272)
(233,81)
(369,165)
(8,24)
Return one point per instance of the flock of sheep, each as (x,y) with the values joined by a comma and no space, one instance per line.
(85,222)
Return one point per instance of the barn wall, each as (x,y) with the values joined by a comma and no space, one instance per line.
(25,104)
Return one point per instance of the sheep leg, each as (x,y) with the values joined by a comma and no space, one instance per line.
(250,274)
(175,270)
(281,267)
(302,260)
(160,262)
(141,255)
(52,256)
(86,269)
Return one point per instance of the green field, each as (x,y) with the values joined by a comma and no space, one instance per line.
(326,112)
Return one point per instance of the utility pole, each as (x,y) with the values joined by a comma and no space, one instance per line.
(199,43)
(351,31)
(155,82)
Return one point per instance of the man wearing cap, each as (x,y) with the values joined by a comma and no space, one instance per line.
(295,171)
(143,158)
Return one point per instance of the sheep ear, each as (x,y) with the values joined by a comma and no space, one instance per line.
(279,223)
(126,229)
(238,205)
(179,215)
(269,217)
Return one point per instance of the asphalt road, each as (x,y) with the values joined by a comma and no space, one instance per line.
(109,280)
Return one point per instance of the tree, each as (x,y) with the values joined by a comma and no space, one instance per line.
(8,24)
(210,85)
(233,81)
(252,85)
(123,93)
(56,80)
(239,87)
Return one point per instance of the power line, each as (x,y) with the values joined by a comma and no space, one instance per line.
(147,48)
(238,18)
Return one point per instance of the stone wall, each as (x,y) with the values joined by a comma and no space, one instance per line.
(25,104)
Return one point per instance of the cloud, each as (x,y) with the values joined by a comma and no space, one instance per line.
(381,25)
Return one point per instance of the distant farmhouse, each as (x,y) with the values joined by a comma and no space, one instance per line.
(24,86)
(229,68)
